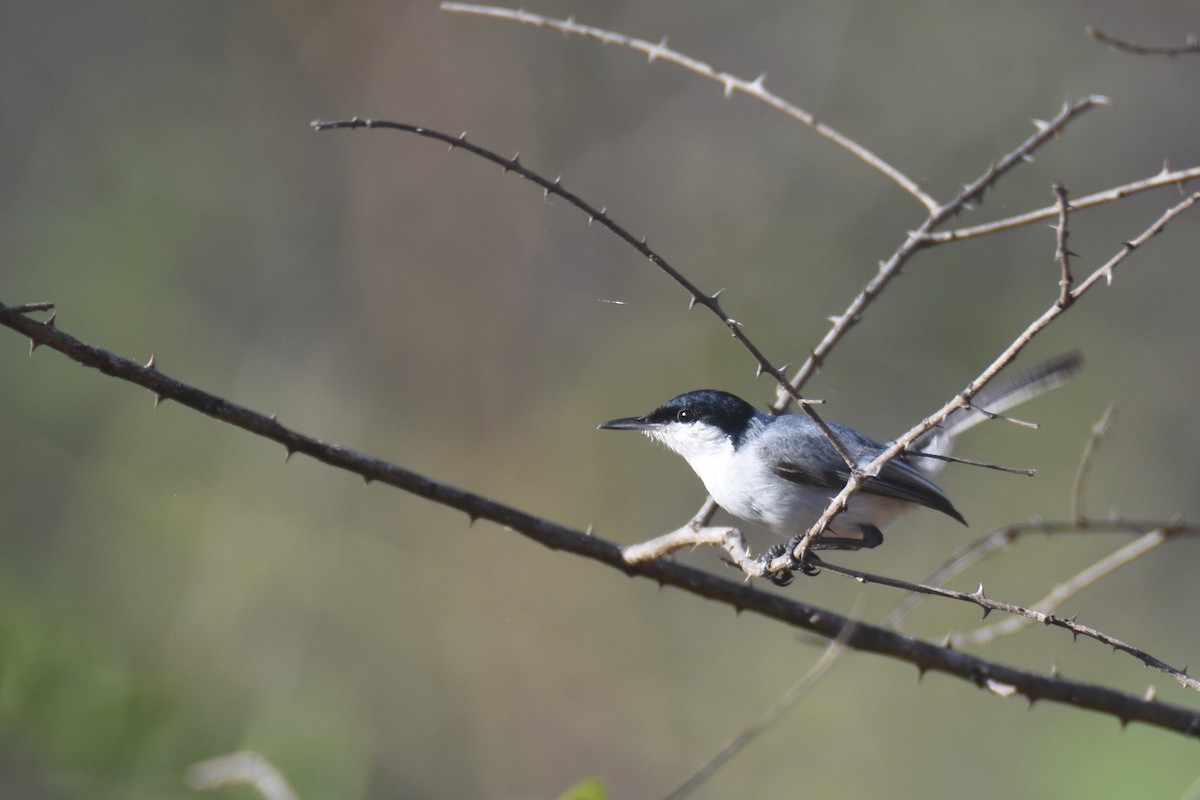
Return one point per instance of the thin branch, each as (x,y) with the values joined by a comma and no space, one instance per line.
(924,236)
(1099,433)
(1068,589)
(1062,254)
(926,656)
(997,541)
(731,83)
(899,445)
(772,715)
(1190,46)
(555,187)
(1164,178)
(983,601)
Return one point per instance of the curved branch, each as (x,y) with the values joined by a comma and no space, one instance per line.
(710,301)
(754,88)
(1189,46)
(1002,680)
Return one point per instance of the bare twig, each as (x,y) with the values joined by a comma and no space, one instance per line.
(600,215)
(1099,432)
(983,601)
(924,236)
(1189,46)
(772,715)
(1164,178)
(731,83)
(997,541)
(856,482)
(1062,253)
(1068,589)
(869,638)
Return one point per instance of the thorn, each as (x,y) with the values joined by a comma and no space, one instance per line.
(151,363)
(1040,124)
(158,398)
(1151,694)
(692,302)
(757,84)
(729,82)
(716,294)
(1054,671)
(948,642)
(653,53)
(591,531)
(471,519)
(287,454)
(921,670)
(1123,722)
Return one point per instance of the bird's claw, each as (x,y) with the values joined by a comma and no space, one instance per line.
(786,550)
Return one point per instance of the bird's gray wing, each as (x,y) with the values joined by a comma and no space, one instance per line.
(800,453)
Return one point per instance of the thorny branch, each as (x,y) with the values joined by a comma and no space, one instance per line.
(922,236)
(962,398)
(997,541)
(1061,253)
(1069,588)
(754,88)
(1164,178)
(1026,615)
(600,215)
(999,679)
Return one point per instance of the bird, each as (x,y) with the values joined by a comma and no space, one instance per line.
(780,470)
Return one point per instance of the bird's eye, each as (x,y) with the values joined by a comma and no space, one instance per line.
(685,415)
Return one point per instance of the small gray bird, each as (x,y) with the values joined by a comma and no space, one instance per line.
(781,471)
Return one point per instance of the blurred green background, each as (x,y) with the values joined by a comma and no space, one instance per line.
(171,589)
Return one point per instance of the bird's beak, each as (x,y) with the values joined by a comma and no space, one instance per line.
(627,424)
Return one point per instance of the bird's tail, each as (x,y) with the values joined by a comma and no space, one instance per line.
(993,400)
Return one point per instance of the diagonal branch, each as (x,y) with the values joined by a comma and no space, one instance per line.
(600,215)
(898,446)
(997,541)
(1069,588)
(1024,616)
(923,236)
(754,88)
(1002,680)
